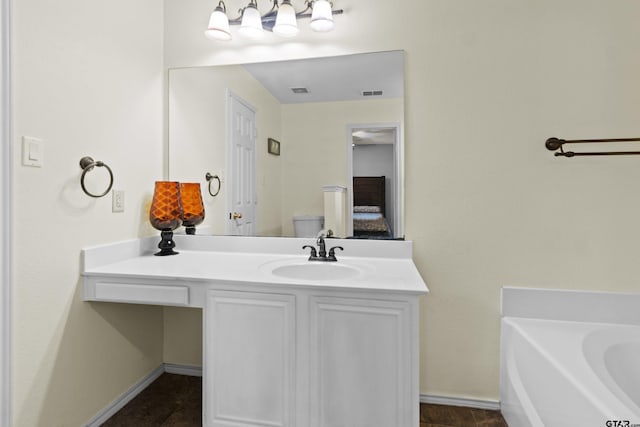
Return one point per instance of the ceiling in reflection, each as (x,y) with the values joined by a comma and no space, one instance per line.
(341,78)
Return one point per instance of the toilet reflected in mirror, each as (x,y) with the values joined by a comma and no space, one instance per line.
(308,225)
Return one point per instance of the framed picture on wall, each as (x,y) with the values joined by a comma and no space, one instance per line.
(273,146)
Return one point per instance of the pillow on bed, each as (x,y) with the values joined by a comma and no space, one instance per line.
(366,209)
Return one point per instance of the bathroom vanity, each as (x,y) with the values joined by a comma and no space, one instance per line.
(287,341)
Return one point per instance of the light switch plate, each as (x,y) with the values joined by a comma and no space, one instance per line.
(32,151)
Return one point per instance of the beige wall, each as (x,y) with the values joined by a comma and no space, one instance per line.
(87,78)
(486,204)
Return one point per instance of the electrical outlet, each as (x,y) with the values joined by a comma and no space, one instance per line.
(117,201)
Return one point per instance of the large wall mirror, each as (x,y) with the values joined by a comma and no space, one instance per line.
(278,135)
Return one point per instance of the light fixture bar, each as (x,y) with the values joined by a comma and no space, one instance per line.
(269,18)
(321,21)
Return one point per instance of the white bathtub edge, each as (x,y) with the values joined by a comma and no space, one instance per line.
(571,305)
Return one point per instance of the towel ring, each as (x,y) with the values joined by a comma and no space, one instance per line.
(210,178)
(87,164)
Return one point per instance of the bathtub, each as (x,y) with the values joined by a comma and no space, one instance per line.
(557,373)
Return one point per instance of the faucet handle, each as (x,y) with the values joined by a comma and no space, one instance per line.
(313,251)
(322,251)
(332,253)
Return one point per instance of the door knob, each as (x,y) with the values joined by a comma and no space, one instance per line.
(236,215)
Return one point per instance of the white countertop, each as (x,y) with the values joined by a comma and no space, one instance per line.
(384,265)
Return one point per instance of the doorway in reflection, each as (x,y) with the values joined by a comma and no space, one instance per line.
(374,180)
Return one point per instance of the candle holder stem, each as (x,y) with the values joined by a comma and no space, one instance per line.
(167,244)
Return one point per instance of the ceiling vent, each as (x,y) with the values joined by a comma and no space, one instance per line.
(299,90)
(371,93)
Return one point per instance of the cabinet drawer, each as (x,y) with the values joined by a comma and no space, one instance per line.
(142,294)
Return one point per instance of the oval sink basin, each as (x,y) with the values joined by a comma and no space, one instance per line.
(316,271)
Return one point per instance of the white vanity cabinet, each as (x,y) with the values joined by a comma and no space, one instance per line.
(250,354)
(316,359)
(287,343)
(362,365)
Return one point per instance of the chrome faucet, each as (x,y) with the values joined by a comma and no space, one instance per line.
(321,254)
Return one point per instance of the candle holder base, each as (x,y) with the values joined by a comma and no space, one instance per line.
(167,244)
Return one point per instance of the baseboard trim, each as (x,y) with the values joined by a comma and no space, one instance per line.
(492,405)
(125,398)
(136,389)
(192,371)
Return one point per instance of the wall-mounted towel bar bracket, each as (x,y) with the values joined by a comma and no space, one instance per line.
(555,144)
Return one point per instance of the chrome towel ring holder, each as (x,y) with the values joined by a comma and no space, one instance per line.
(210,178)
(87,164)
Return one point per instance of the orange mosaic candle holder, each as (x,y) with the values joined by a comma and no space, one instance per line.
(192,206)
(166,213)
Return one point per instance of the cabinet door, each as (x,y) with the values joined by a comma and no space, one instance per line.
(361,363)
(249,367)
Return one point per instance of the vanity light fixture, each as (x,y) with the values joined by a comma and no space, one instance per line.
(219,24)
(322,16)
(286,22)
(251,24)
(281,19)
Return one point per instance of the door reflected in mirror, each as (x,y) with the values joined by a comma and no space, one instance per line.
(337,119)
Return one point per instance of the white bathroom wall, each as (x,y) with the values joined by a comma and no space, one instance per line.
(88,80)
(373,160)
(486,204)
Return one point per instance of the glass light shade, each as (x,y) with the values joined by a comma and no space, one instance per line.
(192,206)
(251,25)
(286,24)
(321,17)
(218,26)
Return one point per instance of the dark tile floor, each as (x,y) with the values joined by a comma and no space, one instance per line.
(170,401)
(175,401)
(457,416)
